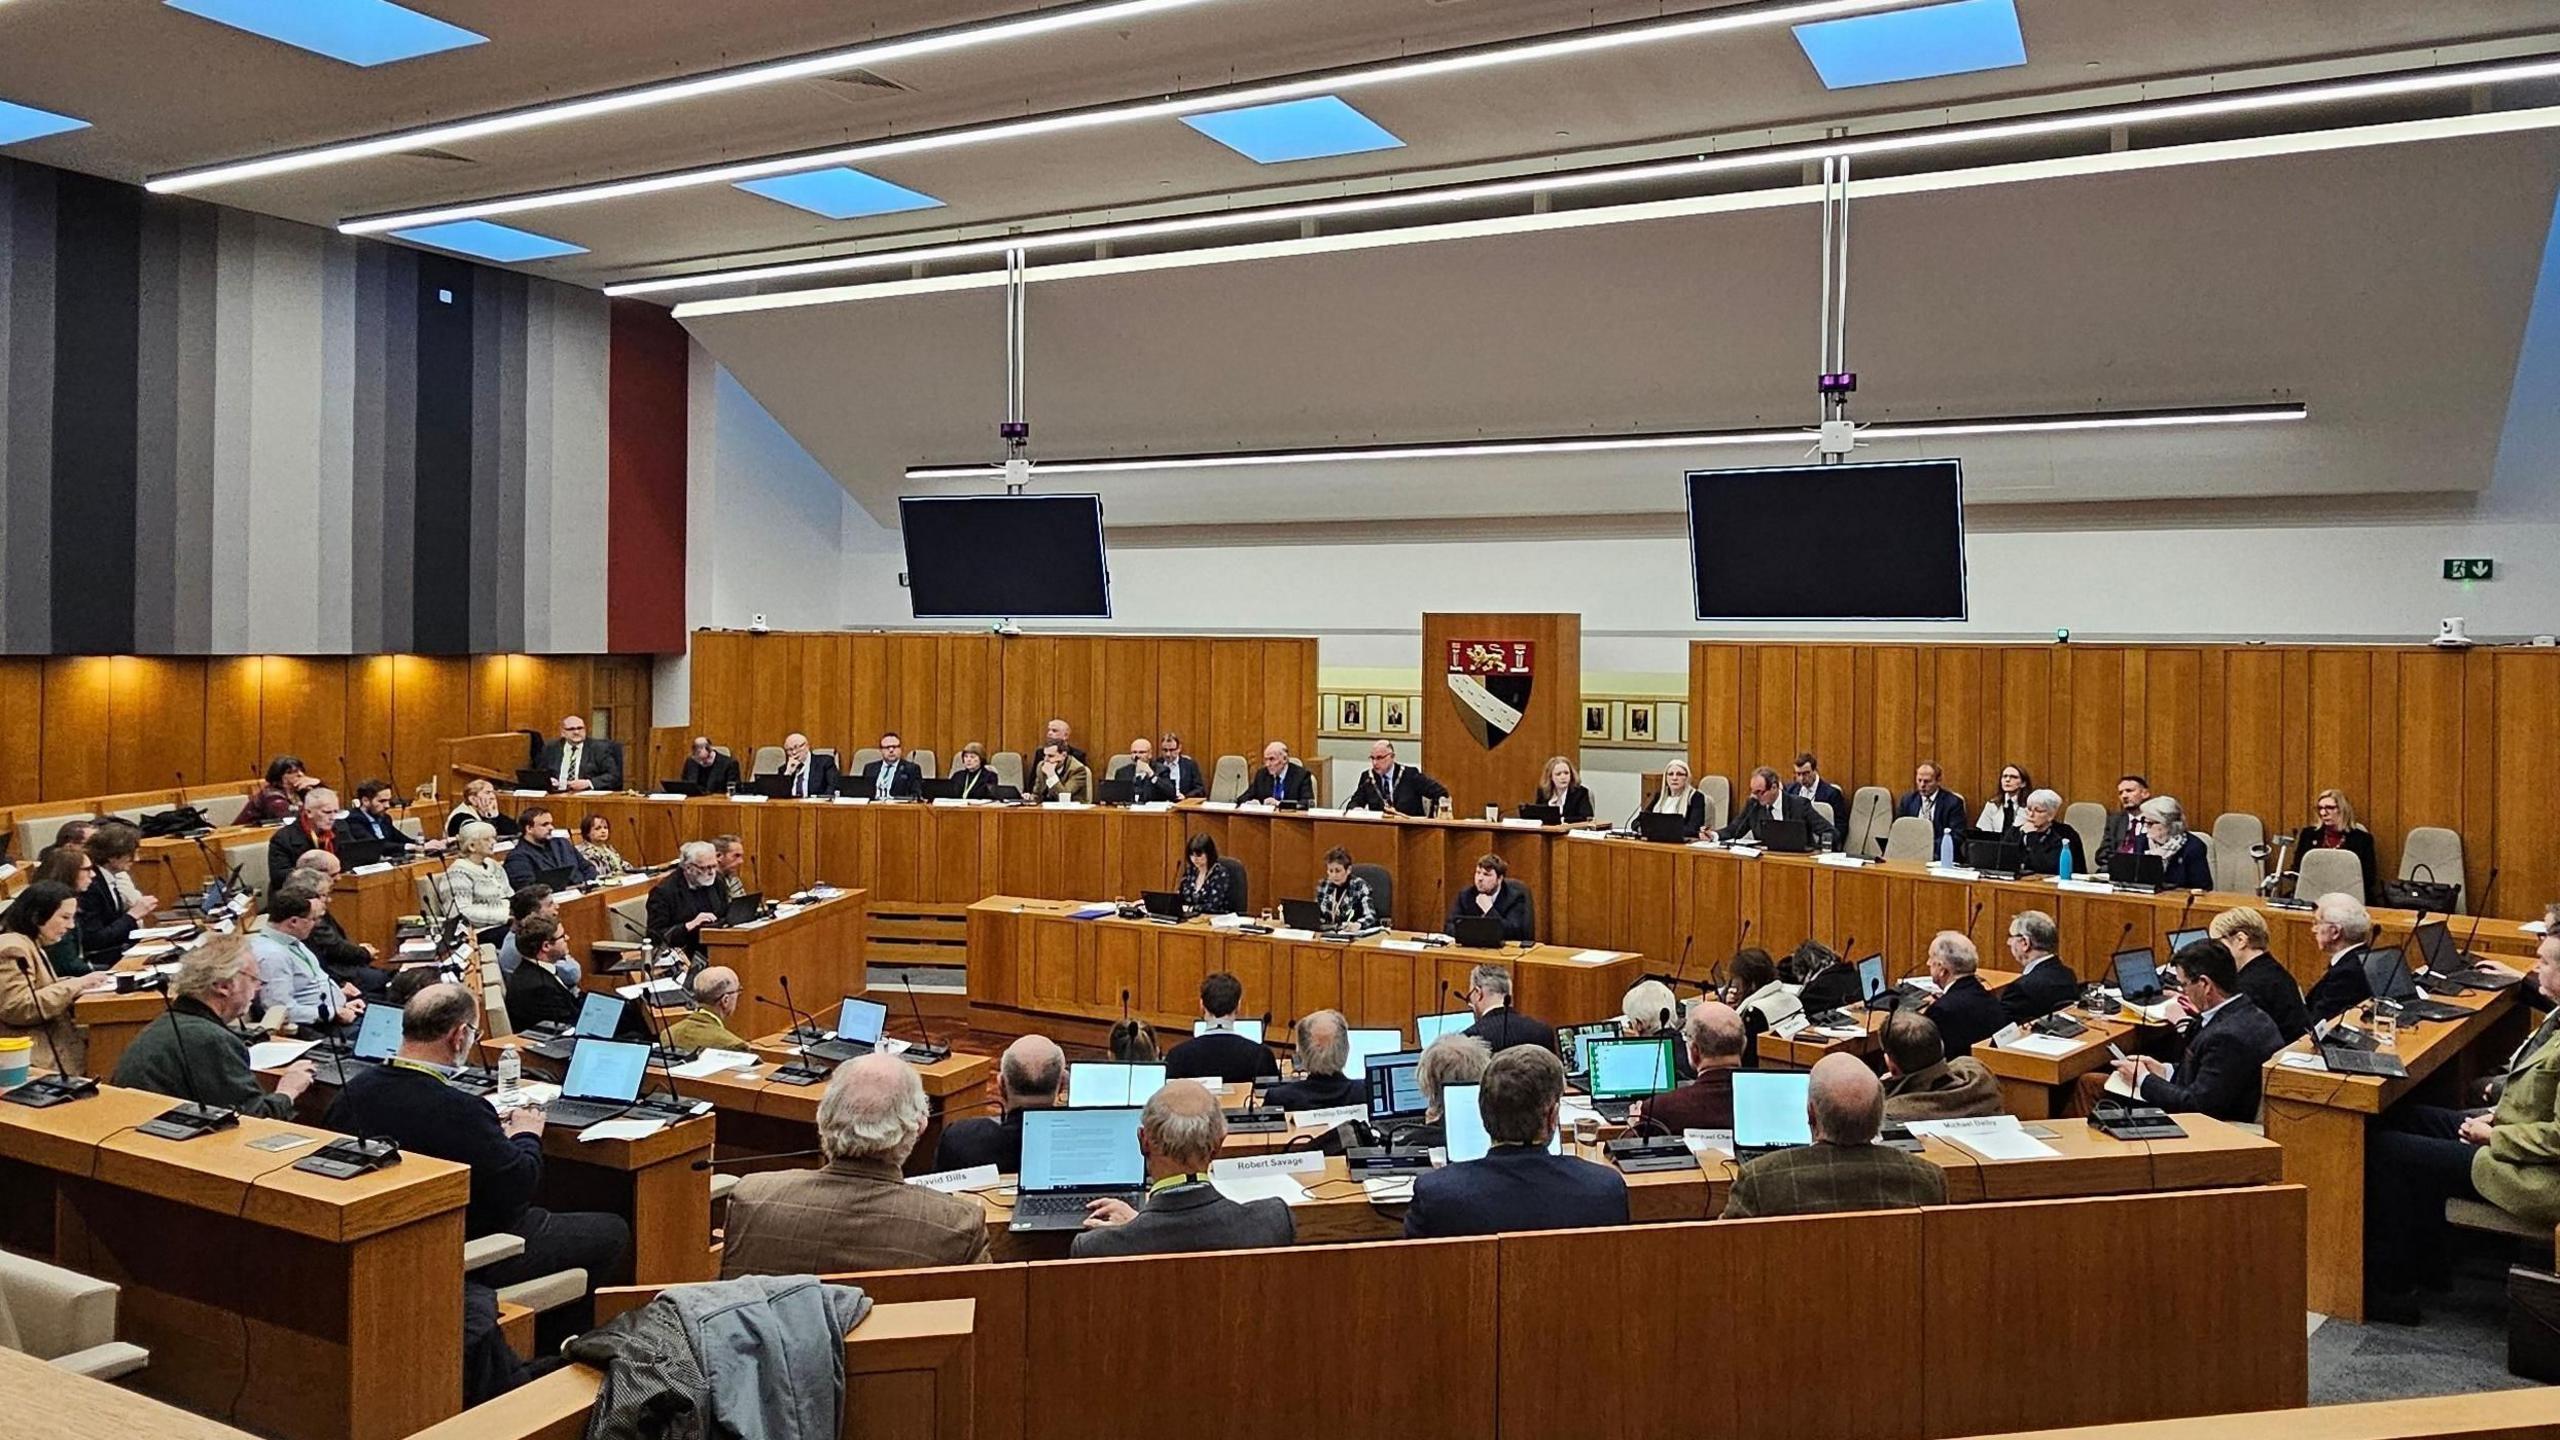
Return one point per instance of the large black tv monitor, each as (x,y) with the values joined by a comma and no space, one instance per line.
(975,557)
(1881,541)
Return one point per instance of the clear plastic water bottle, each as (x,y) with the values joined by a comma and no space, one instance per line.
(510,1071)
(1946,847)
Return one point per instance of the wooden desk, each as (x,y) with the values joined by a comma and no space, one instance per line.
(1027,955)
(1589,892)
(321,1308)
(819,945)
(76,1407)
(763,1116)
(369,906)
(2320,1120)
(652,1183)
(909,1372)
(112,1021)
(584,918)
(2213,1156)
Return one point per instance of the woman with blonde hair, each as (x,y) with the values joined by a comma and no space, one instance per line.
(1561,786)
(2333,827)
(1678,797)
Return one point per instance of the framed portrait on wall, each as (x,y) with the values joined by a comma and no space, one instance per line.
(1354,714)
(1595,720)
(1395,715)
(1637,728)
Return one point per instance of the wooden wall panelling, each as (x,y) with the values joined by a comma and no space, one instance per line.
(2526,784)
(2022,709)
(155,723)
(1127,702)
(2252,741)
(430,702)
(369,693)
(1715,708)
(22,728)
(1894,703)
(1234,718)
(231,700)
(302,709)
(79,716)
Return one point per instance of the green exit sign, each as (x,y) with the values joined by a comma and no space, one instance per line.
(2470,569)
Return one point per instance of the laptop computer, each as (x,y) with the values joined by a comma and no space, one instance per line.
(1367,1042)
(1395,1086)
(2181,939)
(1543,814)
(1301,915)
(1163,905)
(1576,1040)
(1769,1111)
(1478,932)
(2139,870)
(2388,968)
(556,878)
(1427,1028)
(599,1016)
(772,787)
(1071,1158)
(858,1026)
(1462,1113)
(1665,829)
(1628,1069)
(1995,855)
(353,854)
(1106,1084)
(746,909)
(1115,792)
(1783,837)
(2349,1060)
(1871,986)
(678,786)
(377,1039)
(531,779)
(603,1081)
(2137,977)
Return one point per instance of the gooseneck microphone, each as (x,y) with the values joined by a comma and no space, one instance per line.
(192,1119)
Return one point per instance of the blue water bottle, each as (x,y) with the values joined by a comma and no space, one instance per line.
(2065,872)
(1947,847)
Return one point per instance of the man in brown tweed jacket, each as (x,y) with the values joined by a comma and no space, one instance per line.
(1843,1169)
(856,1212)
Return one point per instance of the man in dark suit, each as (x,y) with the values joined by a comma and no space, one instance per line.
(1517,1185)
(2221,1072)
(2125,834)
(1766,799)
(1492,891)
(1941,807)
(410,1101)
(1027,1078)
(541,848)
(371,820)
(1179,1132)
(1843,1169)
(1966,1012)
(891,777)
(1324,1047)
(1225,1054)
(2340,926)
(688,898)
(1153,782)
(575,762)
(1713,1033)
(807,772)
(1497,1024)
(1188,782)
(316,828)
(707,770)
(1280,778)
(2044,983)
(1393,788)
(1809,785)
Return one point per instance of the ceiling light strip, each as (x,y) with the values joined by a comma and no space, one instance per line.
(675,92)
(1650,33)
(1655,172)
(1589,444)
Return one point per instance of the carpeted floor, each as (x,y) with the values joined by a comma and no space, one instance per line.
(2460,1348)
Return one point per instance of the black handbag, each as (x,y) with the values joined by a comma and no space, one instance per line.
(2432,895)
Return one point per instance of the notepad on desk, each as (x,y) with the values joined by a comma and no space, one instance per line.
(716,1062)
(1993,1137)
(268,1054)
(1245,1189)
(622,1130)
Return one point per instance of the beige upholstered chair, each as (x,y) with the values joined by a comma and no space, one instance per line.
(2434,853)
(63,1318)
(1907,839)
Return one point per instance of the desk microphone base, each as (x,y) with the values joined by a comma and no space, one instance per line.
(189,1122)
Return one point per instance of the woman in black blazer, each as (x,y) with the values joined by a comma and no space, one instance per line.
(1678,797)
(2334,827)
(971,777)
(1563,789)
(2182,859)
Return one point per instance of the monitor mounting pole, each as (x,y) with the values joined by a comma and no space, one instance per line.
(1837,382)
(1015,429)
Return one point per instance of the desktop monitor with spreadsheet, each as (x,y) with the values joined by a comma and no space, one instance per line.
(1092,1083)
(1769,1109)
(605,1070)
(1069,1150)
(1462,1111)
(1427,1028)
(860,1021)
(1627,1069)
(599,1016)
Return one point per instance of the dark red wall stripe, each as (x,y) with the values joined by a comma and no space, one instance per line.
(644,559)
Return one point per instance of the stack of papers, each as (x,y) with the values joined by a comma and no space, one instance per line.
(716,1062)
(163,932)
(622,1130)
(1595,957)
(1244,1189)
(1091,912)
(268,1054)
(2052,1047)
(1993,1137)
(1389,1189)
(1832,858)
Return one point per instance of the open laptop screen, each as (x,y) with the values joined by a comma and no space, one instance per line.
(1365,1043)
(1871,976)
(598,1016)
(860,1021)
(2137,973)
(378,1038)
(1427,1028)
(605,1070)
(1768,1109)
(1096,1083)
(1081,1150)
(1625,1068)
(1462,1111)
(1395,1085)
